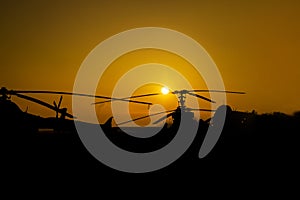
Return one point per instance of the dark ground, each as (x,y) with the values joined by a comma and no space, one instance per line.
(259,151)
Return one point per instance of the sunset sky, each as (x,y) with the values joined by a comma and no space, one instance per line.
(255,45)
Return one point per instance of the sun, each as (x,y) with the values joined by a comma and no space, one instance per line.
(165,90)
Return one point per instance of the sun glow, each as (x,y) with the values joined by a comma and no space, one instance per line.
(165,90)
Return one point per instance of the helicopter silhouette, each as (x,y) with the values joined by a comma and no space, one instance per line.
(182,109)
(148,144)
(12,116)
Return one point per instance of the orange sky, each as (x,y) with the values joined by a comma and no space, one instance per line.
(255,44)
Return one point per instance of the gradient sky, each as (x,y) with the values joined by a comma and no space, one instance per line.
(255,44)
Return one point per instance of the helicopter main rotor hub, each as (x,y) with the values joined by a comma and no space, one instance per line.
(181,95)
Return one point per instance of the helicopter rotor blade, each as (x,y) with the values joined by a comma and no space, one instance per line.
(145,95)
(13,92)
(56,109)
(164,117)
(132,101)
(42,103)
(145,117)
(59,103)
(128,98)
(201,97)
(221,91)
(55,105)
(142,95)
(69,115)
